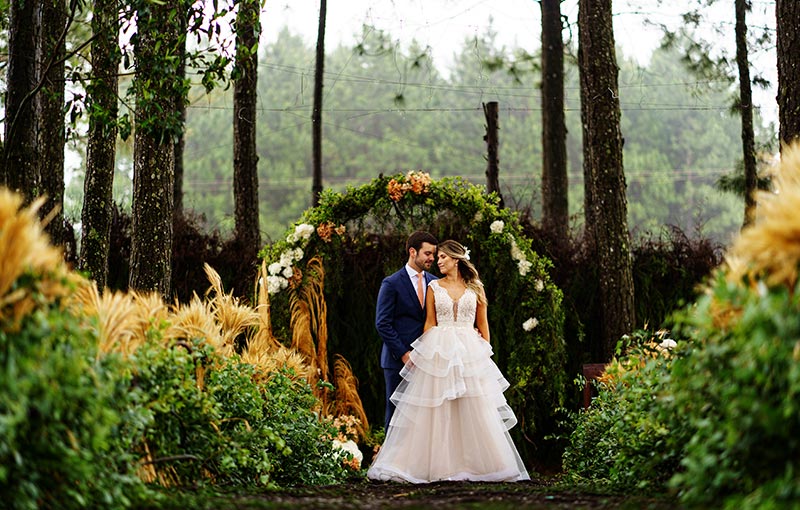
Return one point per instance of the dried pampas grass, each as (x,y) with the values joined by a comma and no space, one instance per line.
(309,325)
(193,321)
(269,362)
(769,249)
(263,338)
(347,400)
(118,319)
(234,319)
(26,249)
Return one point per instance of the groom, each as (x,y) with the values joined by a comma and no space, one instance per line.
(400,312)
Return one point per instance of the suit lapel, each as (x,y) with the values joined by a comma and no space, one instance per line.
(410,290)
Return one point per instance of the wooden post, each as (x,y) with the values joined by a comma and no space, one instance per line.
(493,161)
(591,371)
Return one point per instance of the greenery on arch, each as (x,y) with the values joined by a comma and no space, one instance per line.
(360,235)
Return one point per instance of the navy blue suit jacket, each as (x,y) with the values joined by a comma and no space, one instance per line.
(398,317)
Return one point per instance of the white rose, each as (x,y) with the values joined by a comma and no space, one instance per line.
(297,254)
(497,226)
(291,238)
(287,258)
(288,272)
(516,253)
(538,285)
(275,268)
(274,284)
(524,267)
(530,324)
(304,231)
(668,343)
(350,447)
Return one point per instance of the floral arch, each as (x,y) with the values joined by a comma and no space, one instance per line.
(356,237)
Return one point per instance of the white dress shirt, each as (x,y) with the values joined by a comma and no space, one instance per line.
(412,275)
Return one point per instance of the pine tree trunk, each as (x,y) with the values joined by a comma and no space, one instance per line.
(157,127)
(20,169)
(603,165)
(788,38)
(151,228)
(97,212)
(245,156)
(50,105)
(746,112)
(316,115)
(555,185)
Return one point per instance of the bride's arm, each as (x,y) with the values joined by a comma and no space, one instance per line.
(430,311)
(482,320)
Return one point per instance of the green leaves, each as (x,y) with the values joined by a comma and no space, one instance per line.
(61,417)
(714,422)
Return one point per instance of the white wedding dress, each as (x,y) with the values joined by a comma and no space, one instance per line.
(451,420)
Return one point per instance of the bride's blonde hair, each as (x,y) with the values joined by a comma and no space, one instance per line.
(466,269)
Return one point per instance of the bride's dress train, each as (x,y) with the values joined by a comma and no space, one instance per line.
(451,420)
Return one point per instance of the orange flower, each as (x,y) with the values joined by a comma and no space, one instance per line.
(420,181)
(325,230)
(353,464)
(395,189)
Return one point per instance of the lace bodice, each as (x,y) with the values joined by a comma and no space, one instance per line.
(449,311)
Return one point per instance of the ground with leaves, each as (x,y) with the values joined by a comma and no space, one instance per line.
(534,495)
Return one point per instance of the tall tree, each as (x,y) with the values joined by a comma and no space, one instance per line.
(245,156)
(555,185)
(606,214)
(788,30)
(316,115)
(20,169)
(705,59)
(746,111)
(157,56)
(50,64)
(96,215)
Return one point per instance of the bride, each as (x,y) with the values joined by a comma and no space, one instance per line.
(451,420)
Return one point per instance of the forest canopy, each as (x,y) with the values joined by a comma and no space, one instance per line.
(392,110)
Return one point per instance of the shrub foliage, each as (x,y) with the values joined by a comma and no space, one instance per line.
(103,396)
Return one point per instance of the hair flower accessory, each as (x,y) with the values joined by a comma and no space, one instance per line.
(466,253)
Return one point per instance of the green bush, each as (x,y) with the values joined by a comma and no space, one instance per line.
(716,422)
(630,439)
(210,422)
(738,390)
(62,415)
(309,457)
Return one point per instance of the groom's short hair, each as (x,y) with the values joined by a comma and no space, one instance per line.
(416,239)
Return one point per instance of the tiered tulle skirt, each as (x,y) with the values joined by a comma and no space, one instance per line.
(451,421)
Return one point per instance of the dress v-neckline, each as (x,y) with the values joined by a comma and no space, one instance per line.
(451,297)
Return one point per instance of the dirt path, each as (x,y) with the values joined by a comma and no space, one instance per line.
(533,495)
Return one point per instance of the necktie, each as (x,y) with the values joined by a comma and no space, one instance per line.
(420,292)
